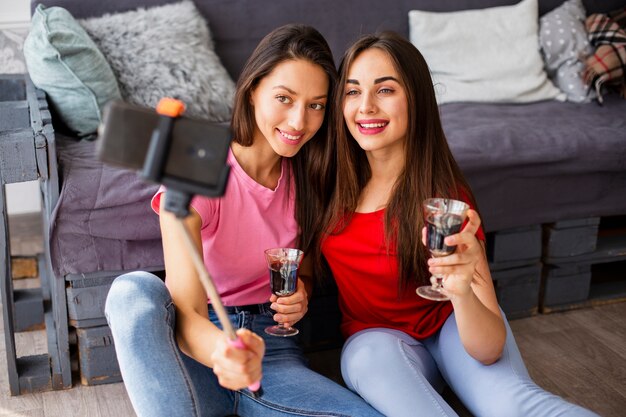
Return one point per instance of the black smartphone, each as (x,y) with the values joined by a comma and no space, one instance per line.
(196,157)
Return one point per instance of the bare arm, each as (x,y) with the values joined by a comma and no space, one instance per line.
(196,335)
(469,285)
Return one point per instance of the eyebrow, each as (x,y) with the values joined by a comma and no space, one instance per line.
(283,87)
(376,81)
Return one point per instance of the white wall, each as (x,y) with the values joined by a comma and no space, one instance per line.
(14,13)
(21,197)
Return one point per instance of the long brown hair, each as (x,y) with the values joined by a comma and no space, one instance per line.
(429,168)
(311,165)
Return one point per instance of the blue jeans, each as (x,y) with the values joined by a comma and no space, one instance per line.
(407,375)
(163,381)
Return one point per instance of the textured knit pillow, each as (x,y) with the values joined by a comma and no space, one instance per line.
(64,62)
(485,55)
(565,47)
(165,51)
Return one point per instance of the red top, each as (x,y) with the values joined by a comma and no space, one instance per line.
(367,278)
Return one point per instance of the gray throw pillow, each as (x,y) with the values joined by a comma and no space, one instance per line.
(165,51)
(64,62)
(565,47)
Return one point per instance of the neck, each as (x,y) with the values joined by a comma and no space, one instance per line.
(260,162)
(385,168)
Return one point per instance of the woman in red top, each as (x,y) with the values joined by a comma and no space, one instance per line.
(391,155)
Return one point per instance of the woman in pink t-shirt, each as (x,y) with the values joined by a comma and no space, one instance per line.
(174,358)
(402,349)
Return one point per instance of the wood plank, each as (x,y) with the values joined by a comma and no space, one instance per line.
(559,373)
(38,412)
(582,361)
(31,343)
(70,403)
(24,267)
(112,400)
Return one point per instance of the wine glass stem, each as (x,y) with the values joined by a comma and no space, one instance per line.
(439,285)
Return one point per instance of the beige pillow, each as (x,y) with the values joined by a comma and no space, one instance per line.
(485,55)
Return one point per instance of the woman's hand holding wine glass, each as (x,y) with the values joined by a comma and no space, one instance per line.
(290,309)
(458,268)
(283,266)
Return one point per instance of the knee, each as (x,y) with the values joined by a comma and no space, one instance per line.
(134,294)
(367,356)
(510,396)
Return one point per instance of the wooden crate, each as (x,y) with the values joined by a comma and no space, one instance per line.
(565,284)
(29,310)
(511,248)
(96,356)
(591,277)
(607,284)
(86,296)
(570,238)
(517,290)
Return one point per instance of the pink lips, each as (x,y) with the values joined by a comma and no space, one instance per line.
(366,126)
(288,137)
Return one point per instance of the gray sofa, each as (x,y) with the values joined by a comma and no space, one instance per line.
(528,164)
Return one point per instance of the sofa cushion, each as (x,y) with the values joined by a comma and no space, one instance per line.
(63,61)
(165,51)
(102,220)
(564,44)
(486,55)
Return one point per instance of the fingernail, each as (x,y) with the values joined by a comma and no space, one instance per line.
(449,241)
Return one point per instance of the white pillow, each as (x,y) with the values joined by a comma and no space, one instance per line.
(485,55)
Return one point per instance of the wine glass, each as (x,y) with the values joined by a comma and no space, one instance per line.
(444,217)
(283,264)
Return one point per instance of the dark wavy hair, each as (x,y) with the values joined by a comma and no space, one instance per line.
(311,165)
(429,169)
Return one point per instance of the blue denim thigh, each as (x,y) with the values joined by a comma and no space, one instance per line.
(290,387)
(159,378)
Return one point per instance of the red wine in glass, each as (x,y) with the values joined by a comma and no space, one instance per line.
(283,264)
(283,278)
(440,227)
(444,217)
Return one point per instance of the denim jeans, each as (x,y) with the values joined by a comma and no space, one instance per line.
(163,381)
(408,375)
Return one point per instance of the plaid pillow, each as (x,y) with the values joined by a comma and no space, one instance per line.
(607,66)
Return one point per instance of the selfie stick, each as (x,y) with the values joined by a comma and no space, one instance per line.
(177,202)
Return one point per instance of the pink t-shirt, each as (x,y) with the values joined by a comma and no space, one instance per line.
(239,226)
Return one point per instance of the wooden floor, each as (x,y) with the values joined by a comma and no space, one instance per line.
(579,354)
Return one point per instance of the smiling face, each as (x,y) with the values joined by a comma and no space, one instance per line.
(375,105)
(289,105)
